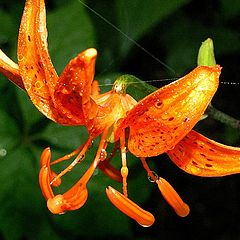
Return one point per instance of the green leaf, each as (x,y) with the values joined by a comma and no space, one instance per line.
(6,28)
(64,137)
(30,113)
(182,53)
(137,17)
(231,8)
(8,133)
(70,32)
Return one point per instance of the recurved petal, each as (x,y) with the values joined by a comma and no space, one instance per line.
(128,207)
(201,156)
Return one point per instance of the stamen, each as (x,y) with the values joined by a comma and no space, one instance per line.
(45,157)
(102,145)
(168,192)
(172,197)
(124,169)
(67,156)
(45,161)
(150,177)
(45,183)
(76,161)
(128,207)
(108,169)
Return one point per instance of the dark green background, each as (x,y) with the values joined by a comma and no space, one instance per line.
(172,31)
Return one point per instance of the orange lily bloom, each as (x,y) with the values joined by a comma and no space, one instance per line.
(161,122)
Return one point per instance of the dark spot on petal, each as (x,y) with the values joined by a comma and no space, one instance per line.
(210,160)
(180,150)
(29,38)
(171,118)
(158,104)
(208,165)
(194,163)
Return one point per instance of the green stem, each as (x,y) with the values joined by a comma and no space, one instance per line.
(222,117)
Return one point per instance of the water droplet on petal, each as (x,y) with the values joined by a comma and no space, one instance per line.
(187,119)
(103,155)
(155,175)
(158,104)
(96,171)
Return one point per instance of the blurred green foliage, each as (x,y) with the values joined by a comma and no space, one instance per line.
(170,30)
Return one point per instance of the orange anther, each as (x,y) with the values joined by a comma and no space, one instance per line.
(45,157)
(77,199)
(128,207)
(45,183)
(172,197)
(45,161)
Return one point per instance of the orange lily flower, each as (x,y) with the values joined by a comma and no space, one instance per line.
(161,122)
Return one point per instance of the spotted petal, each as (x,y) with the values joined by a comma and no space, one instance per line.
(159,121)
(204,157)
(36,69)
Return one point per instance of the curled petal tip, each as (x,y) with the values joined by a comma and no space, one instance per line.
(90,53)
(128,207)
(172,197)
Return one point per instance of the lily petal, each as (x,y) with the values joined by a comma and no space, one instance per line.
(159,121)
(73,89)
(10,69)
(204,157)
(36,69)
(128,207)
